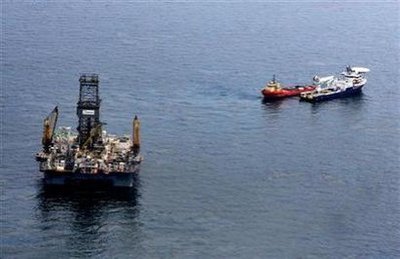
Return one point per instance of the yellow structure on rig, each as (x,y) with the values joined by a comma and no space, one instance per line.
(49,125)
(136,135)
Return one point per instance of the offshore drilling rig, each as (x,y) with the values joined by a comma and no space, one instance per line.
(90,155)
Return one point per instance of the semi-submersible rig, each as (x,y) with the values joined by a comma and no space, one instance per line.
(90,156)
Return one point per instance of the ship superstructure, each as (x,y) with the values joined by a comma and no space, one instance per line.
(89,155)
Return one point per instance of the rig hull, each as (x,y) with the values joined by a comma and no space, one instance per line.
(113,179)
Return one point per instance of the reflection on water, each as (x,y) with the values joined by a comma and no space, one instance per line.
(271,103)
(87,217)
(91,198)
(273,107)
(351,102)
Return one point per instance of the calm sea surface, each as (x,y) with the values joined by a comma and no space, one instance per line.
(224,175)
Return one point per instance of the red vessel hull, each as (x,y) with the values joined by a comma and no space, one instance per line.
(285,92)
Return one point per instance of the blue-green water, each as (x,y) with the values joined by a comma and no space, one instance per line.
(224,175)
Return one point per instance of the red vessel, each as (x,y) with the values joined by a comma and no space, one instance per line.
(273,90)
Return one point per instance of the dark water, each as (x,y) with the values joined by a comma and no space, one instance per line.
(224,174)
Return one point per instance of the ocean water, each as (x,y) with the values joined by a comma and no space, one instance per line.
(225,175)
